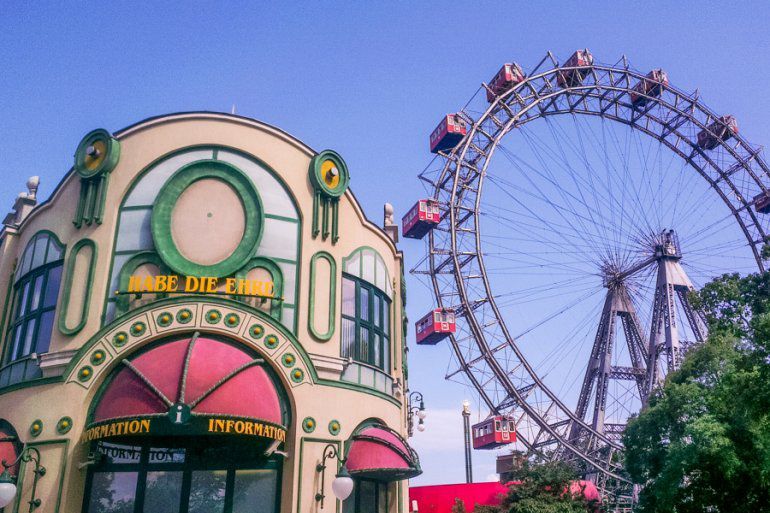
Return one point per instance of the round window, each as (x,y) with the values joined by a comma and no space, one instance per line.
(207,220)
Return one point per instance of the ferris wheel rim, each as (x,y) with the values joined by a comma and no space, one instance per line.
(454,165)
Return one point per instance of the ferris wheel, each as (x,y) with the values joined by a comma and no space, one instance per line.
(571,210)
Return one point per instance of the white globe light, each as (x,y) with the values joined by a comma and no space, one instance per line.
(342,486)
(421,427)
(421,414)
(7,493)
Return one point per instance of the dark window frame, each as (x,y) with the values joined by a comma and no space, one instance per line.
(356,497)
(366,354)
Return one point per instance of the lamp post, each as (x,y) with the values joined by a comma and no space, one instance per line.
(418,411)
(467,437)
(8,483)
(342,486)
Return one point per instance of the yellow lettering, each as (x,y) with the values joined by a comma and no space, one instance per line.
(191,284)
(161,283)
(239,427)
(220,425)
(230,285)
(173,283)
(229,426)
(145,425)
(249,428)
(211,284)
(269,292)
(112,430)
(134,284)
(133,427)
(211,425)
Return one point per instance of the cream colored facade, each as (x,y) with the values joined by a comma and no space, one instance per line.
(329,387)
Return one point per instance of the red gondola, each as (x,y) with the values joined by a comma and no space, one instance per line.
(720,130)
(509,75)
(581,60)
(448,133)
(494,432)
(651,85)
(435,327)
(762,202)
(423,216)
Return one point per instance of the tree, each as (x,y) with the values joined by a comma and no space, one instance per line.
(703,442)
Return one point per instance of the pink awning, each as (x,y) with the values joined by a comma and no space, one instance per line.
(198,381)
(9,447)
(378,452)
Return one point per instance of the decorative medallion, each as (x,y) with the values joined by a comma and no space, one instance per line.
(120,339)
(138,329)
(330,178)
(308,425)
(64,425)
(232,320)
(165,319)
(207,220)
(98,357)
(184,316)
(271,341)
(85,373)
(334,427)
(256,331)
(96,156)
(297,375)
(36,428)
(213,316)
(288,360)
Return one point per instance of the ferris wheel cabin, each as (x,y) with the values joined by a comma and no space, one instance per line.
(720,130)
(580,61)
(762,202)
(448,133)
(423,216)
(651,85)
(508,76)
(435,327)
(494,432)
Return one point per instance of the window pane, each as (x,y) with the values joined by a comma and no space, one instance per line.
(28,337)
(348,297)
(39,256)
(163,492)
(364,304)
(114,453)
(54,251)
(386,314)
(254,491)
(368,497)
(367,266)
(16,348)
(43,340)
(377,350)
(36,289)
(386,354)
(363,345)
(382,498)
(207,491)
(348,338)
(52,287)
(112,492)
(377,310)
(23,301)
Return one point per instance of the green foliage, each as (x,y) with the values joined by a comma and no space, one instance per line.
(458,507)
(543,488)
(703,442)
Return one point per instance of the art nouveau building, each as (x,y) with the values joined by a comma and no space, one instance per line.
(195,317)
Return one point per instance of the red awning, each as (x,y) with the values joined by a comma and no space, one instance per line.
(378,452)
(9,447)
(190,386)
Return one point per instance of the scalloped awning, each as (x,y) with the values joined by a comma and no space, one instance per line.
(194,386)
(378,452)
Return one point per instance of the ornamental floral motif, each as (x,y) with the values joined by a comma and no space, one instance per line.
(98,356)
(309,424)
(120,339)
(165,319)
(256,331)
(184,316)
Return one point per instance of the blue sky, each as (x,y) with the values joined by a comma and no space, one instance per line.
(369,80)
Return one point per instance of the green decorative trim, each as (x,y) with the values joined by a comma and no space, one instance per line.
(288,360)
(360,272)
(170,193)
(98,357)
(297,375)
(120,339)
(335,427)
(85,374)
(36,428)
(112,145)
(67,293)
(325,336)
(184,316)
(129,268)
(271,341)
(6,307)
(213,316)
(319,184)
(277,276)
(138,329)
(64,425)
(232,320)
(309,424)
(165,319)
(324,442)
(256,331)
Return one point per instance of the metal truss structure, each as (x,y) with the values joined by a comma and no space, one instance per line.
(484,349)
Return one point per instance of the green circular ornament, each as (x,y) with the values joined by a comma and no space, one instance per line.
(184,316)
(98,153)
(213,316)
(36,428)
(167,199)
(64,425)
(120,339)
(288,360)
(256,331)
(297,375)
(85,373)
(334,427)
(165,319)
(329,174)
(98,357)
(138,329)
(232,320)
(271,341)
(308,425)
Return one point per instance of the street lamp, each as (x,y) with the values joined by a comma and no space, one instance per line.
(342,486)
(419,411)
(467,437)
(8,483)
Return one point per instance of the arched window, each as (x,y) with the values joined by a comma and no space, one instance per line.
(366,300)
(36,290)
(266,271)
